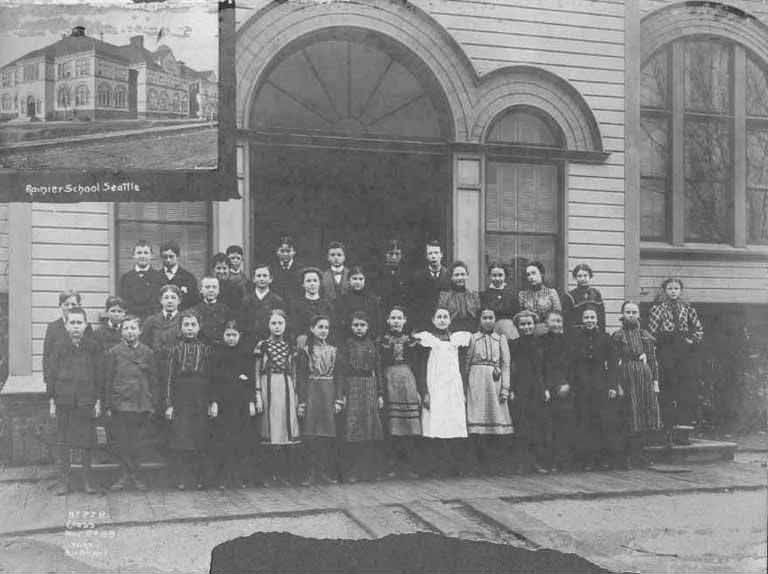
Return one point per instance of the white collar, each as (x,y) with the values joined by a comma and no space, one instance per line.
(172,271)
(260,296)
(140,270)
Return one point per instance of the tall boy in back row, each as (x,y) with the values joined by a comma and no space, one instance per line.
(140,287)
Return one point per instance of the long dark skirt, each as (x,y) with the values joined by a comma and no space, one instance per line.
(362,413)
(403,408)
(189,426)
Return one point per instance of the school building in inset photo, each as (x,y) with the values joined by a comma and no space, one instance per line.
(630,135)
(81,77)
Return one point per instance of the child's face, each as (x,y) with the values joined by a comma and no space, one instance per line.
(554,323)
(336,257)
(169,301)
(285,253)
(441,319)
(277,325)
(434,255)
(589,319)
(209,289)
(459,277)
(533,274)
(526,325)
(69,303)
(359,327)
(357,282)
(231,337)
(321,329)
(115,314)
(76,325)
(394,257)
(673,290)
(582,278)
(130,331)
(396,320)
(262,278)
(221,270)
(190,327)
(487,320)
(142,255)
(170,259)
(631,313)
(498,276)
(311,284)
(235,260)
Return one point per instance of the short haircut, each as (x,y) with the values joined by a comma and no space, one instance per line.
(455,265)
(433,243)
(172,288)
(261,265)
(582,267)
(317,318)
(231,324)
(170,245)
(114,301)
(234,249)
(522,314)
(538,265)
(589,307)
(219,258)
(142,243)
(360,316)
(131,319)
(77,311)
(307,270)
(286,240)
(553,312)
(209,276)
(484,308)
(394,244)
(337,245)
(64,295)
(190,314)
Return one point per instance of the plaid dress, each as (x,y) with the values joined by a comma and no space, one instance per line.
(279,423)
(359,363)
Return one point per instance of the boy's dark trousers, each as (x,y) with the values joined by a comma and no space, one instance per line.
(188,468)
(128,431)
(679,385)
(592,410)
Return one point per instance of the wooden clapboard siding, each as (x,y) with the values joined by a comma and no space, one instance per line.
(712,281)
(3,248)
(70,250)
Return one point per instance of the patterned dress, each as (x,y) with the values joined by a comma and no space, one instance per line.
(361,390)
(318,388)
(279,423)
(446,416)
(488,363)
(539,300)
(464,307)
(398,357)
(635,377)
(187,391)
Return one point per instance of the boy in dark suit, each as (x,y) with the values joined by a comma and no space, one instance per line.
(140,287)
(175,274)
(286,273)
(426,285)
(335,280)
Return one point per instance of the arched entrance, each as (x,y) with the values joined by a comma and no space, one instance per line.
(349,133)
(31,108)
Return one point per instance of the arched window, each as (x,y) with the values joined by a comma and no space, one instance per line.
(120,97)
(104,95)
(701,97)
(522,198)
(81,95)
(64,97)
(152,99)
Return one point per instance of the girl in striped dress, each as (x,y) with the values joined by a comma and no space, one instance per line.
(637,379)
(275,385)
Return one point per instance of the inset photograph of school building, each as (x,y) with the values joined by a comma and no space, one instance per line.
(87,97)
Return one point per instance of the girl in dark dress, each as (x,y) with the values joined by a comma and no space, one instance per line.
(309,305)
(358,298)
(362,397)
(584,294)
(502,298)
(400,359)
(558,417)
(527,383)
(392,281)
(233,406)
(637,381)
(187,406)
(591,366)
(318,386)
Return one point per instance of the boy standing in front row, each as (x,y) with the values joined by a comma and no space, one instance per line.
(131,374)
(73,396)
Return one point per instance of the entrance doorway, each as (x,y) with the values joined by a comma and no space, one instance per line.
(361,198)
(325,103)
(31,107)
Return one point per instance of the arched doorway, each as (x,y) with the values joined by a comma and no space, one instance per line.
(349,136)
(31,108)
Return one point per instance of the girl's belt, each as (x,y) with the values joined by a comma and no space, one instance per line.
(483,363)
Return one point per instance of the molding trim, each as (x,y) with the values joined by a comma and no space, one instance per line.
(703,18)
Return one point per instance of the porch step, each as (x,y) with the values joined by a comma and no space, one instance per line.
(698,451)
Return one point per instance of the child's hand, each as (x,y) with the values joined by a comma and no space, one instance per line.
(97,409)
(426,401)
(547,395)
(503,396)
(338,406)
(643,358)
(243,377)
(259,404)
(689,341)
(52,408)
(301,410)
(169,413)
(612,393)
(380,403)
(511,396)
(108,412)
(252,409)
(213,410)
(656,387)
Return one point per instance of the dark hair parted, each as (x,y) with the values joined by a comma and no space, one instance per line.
(170,245)
(582,267)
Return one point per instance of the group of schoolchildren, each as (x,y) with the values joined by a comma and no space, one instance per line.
(298,374)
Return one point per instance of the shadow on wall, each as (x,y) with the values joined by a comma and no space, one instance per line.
(420,552)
